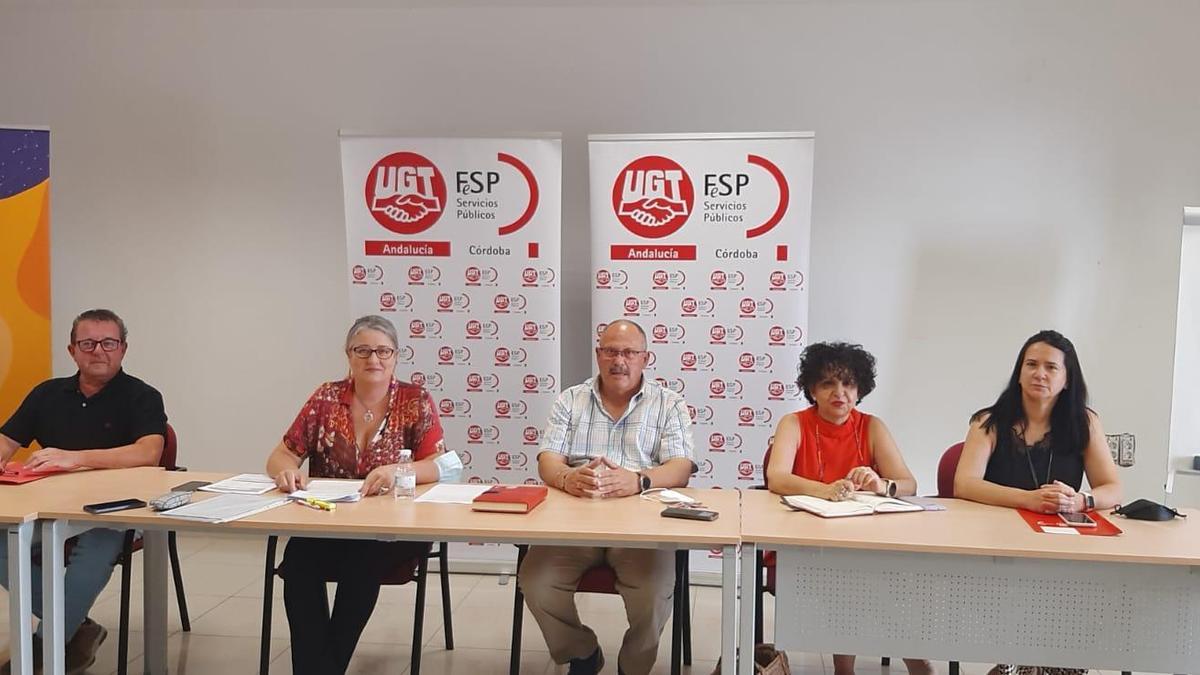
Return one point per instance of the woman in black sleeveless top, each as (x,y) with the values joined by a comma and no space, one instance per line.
(1032,448)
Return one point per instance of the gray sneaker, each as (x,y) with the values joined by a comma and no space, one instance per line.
(83,645)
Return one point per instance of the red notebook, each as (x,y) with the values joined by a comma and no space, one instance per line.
(16,473)
(1103,527)
(511,498)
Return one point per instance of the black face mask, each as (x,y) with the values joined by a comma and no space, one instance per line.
(1144,509)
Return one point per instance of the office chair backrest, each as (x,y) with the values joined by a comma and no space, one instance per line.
(946,468)
(170,450)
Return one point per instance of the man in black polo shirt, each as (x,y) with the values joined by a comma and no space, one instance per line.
(99,418)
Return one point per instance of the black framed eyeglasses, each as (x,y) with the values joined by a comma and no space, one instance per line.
(365,352)
(612,352)
(107,344)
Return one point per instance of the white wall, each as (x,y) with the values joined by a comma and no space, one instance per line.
(1185,403)
(983,170)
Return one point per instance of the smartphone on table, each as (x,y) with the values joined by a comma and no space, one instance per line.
(688,513)
(191,486)
(119,505)
(1077,519)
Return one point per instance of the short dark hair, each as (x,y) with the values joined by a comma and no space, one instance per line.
(1068,418)
(851,363)
(99,315)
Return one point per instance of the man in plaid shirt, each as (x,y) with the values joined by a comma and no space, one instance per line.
(615,435)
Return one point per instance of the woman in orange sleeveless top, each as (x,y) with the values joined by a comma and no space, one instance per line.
(831,449)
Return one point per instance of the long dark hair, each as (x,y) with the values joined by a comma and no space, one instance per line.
(1068,418)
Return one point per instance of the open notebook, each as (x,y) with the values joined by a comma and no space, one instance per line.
(859,504)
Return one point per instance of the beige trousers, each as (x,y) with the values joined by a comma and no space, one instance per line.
(645,580)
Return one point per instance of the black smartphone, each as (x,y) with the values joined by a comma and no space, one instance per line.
(689,514)
(191,486)
(119,505)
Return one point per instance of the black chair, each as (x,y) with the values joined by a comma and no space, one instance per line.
(401,576)
(602,579)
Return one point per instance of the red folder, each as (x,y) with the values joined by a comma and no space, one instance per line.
(1103,527)
(16,474)
(511,498)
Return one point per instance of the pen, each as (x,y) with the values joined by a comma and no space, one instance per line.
(313,503)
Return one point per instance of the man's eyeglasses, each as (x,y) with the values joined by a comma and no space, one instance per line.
(107,344)
(613,353)
(365,352)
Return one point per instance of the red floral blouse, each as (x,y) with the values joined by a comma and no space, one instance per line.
(324,431)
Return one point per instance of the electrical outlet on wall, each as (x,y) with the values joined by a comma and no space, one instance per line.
(1122,447)
(1128,445)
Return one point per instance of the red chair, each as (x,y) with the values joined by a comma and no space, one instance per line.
(946,468)
(416,572)
(603,579)
(134,544)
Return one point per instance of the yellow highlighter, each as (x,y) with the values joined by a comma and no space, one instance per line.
(315,503)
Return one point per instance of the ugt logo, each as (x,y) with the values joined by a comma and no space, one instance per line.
(405,192)
(653,197)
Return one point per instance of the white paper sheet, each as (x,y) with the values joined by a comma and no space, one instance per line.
(226,507)
(452,493)
(330,490)
(243,484)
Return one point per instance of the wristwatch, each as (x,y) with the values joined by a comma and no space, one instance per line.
(1089,502)
(889,487)
(643,482)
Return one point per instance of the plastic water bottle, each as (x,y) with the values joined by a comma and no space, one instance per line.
(406,477)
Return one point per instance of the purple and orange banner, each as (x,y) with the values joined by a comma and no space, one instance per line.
(24,264)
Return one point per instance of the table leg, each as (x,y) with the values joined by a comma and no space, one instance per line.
(750,572)
(729,609)
(20,537)
(54,540)
(154,601)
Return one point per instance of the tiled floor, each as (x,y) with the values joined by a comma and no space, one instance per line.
(223,578)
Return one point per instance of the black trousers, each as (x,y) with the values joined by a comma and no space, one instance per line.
(323,641)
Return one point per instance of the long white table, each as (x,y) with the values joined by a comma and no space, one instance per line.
(561,520)
(976,583)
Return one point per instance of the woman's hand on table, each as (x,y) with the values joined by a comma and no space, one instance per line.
(839,490)
(290,480)
(865,478)
(379,481)
(1054,498)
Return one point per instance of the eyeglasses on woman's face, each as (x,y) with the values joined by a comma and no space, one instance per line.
(365,352)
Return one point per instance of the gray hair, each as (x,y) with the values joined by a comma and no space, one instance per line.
(372,322)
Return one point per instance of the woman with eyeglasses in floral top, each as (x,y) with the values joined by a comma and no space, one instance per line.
(351,428)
